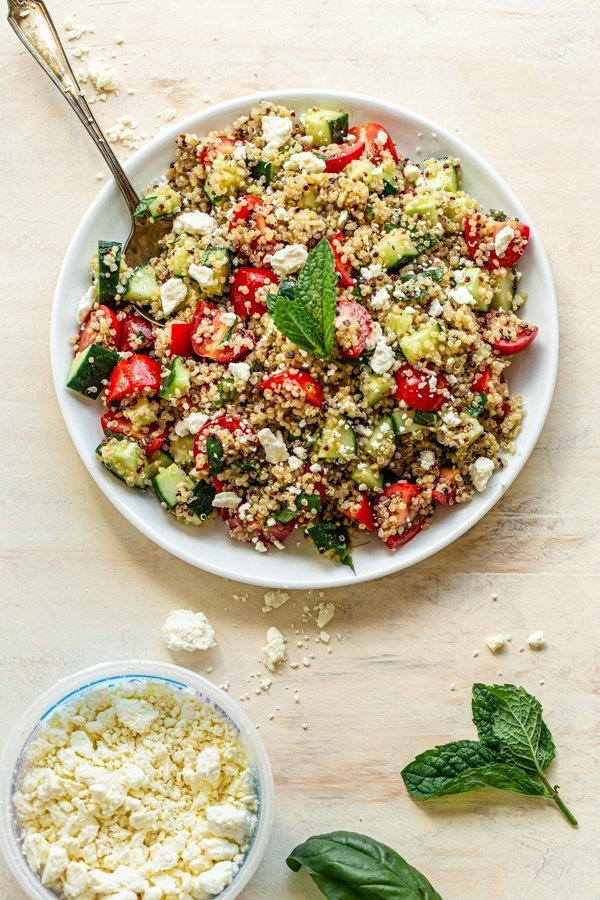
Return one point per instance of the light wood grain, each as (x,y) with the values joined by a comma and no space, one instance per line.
(519,78)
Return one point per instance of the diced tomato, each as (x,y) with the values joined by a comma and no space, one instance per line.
(251,210)
(483,382)
(408,492)
(362,513)
(378,139)
(117,423)
(424,390)
(228,423)
(279,532)
(245,208)
(349,311)
(346,152)
(181,339)
(445,490)
(137,375)
(343,269)
(210,147)
(398,540)
(320,489)
(136,333)
(297,383)
(100,327)
(480,232)
(209,331)
(247,281)
(514,340)
(156,442)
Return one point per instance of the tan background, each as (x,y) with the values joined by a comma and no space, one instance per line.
(79,585)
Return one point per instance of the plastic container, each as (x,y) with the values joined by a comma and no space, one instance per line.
(112,672)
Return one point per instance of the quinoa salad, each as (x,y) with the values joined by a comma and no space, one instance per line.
(335,323)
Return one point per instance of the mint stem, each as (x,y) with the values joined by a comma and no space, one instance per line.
(562,806)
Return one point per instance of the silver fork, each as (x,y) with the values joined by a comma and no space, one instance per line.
(32,23)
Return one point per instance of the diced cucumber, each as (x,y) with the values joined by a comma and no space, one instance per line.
(168,484)
(141,413)
(142,287)
(423,206)
(474,425)
(422,344)
(165,202)
(261,169)
(457,208)
(404,421)
(337,440)
(381,445)
(181,260)
(398,322)
(477,282)
(390,188)
(325,126)
(125,459)
(109,266)
(396,248)
(183,450)
(375,387)
(503,285)
(217,259)
(366,475)
(90,369)
(361,169)
(331,540)
(222,180)
(200,503)
(309,198)
(440,174)
(159,460)
(177,382)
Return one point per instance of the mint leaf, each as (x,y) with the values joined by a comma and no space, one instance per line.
(307,318)
(518,731)
(143,207)
(462,767)
(349,866)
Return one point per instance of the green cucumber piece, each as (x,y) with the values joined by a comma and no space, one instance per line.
(218,259)
(504,285)
(366,475)
(109,267)
(404,421)
(422,344)
(396,248)
(183,450)
(142,287)
(178,380)
(141,413)
(440,174)
(331,540)
(90,369)
(125,459)
(477,283)
(159,460)
(423,206)
(376,387)
(398,322)
(165,202)
(361,169)
(181,260)
(325,126)
(381,445)
(168,482)
(338,439)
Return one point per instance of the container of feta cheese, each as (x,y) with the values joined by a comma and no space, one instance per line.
(218,799)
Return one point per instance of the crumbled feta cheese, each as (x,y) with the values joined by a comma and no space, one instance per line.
(324,636)
(240,370)
(295,463)
(289,259)
(381,298)
(204,275)
(191,424)
(239,151)
(536,640)
(86,303)
(277,130)
(274,651)
(124,132)
(226,500)
(375,336)
(170,114)
(451,419)
(481,471)
(137,715)
(304,162)
(503,239)
(188,630)
(273,445)
(208,765)
(228,319)
(411,172)
(103,77)
(372,271)
(383,358)
(195,223)
(275,599)
(172,294)
(56,863)
(427,459)
(325,614)
(215,880)
(461,296)
(381,138)
(495,642)
(281,214)
(435,308)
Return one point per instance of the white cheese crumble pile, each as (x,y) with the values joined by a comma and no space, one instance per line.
(136,791)
(187,630)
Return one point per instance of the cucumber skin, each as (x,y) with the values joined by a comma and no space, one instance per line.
(92,374)
(107,280)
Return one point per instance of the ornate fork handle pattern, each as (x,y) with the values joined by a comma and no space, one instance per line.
(33,25)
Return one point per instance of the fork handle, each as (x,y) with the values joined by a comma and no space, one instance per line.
(32,23)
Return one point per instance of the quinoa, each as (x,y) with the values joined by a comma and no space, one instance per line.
(345,431)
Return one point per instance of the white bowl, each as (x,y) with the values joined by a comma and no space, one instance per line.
(111,673)
(533,373)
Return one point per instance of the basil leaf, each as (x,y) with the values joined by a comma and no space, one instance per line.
(201,500)
(308,319)
(349,866)
(477,408)
(305,502)
(498,215)
(214,455)
(143,207)
(229,332)
(462,767)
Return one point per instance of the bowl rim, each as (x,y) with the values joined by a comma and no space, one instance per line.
(85,679)
(342,576)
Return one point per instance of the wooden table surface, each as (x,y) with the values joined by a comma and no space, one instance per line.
(519,79)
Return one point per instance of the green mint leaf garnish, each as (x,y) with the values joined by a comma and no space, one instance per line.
(214,455)
(143,207)
(307,319)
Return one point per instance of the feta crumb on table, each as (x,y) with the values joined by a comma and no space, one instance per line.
(274,651)
(536,640)
(188,630)
(275,599)
(495,642)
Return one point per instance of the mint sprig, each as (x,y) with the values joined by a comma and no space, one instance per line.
(515,747)
(307,318)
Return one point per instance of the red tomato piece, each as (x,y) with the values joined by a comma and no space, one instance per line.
(209,148)
(297,383)
(100,327)
(117,423)
(398,540)
(483,382)
(228,423)
(245,208)
(251,210)
(378,139)
(349,311)
(424,390)
(181,340)
(247,281)
(137,375)
(407,491)
(136,333)
(343,269)
(514,340)
(445,490)
(362,513)
(279,532)
(209,335)
(480,232)
(346,152)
